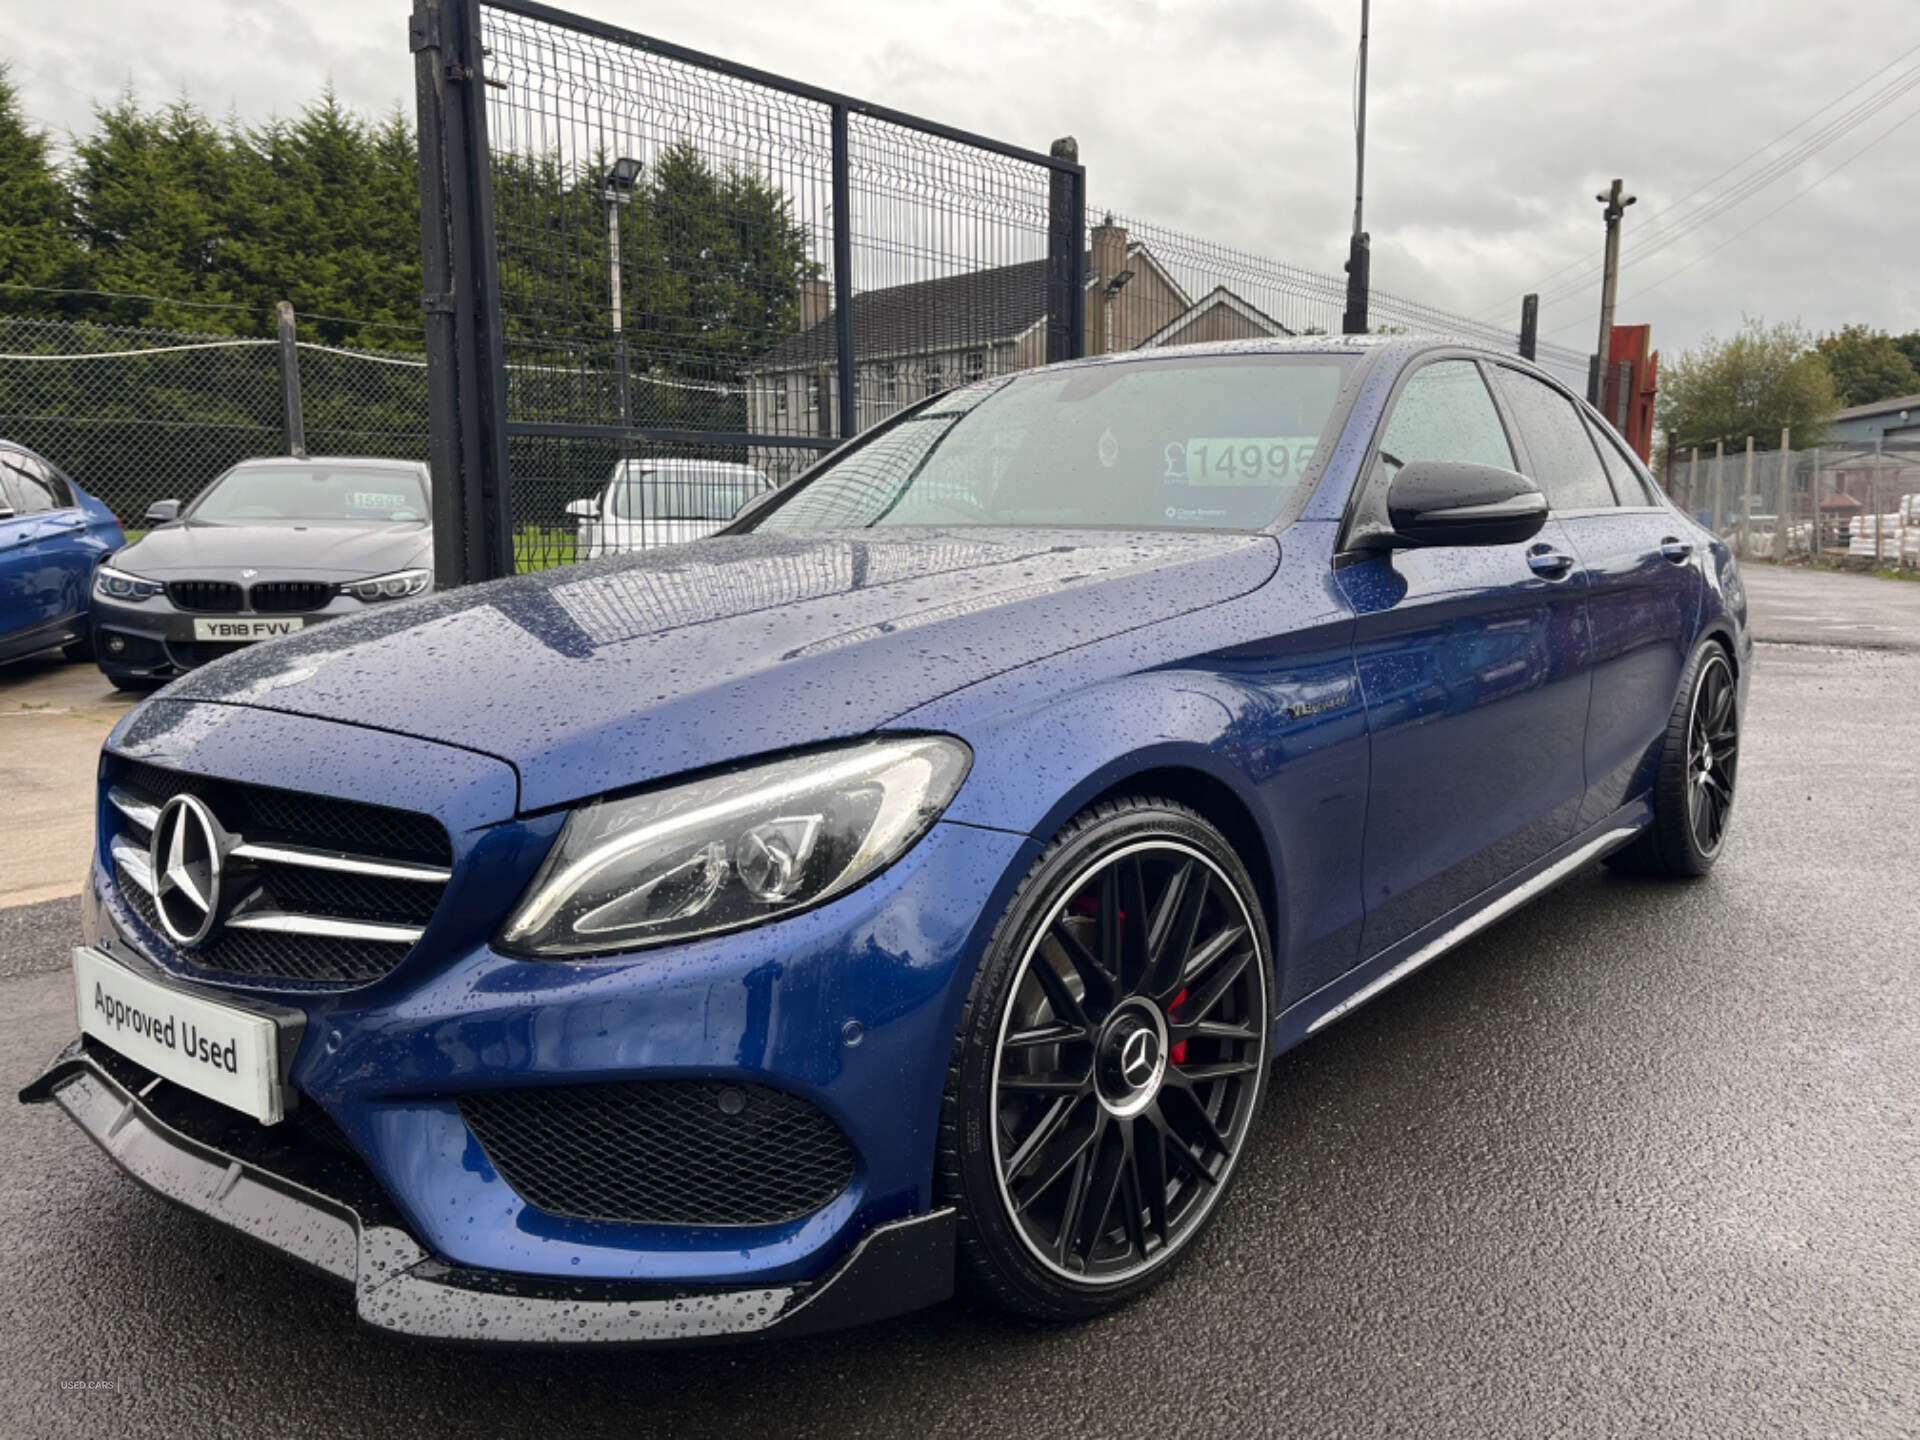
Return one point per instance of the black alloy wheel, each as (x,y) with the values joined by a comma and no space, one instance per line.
(1699,763)
(1713,753)
(1110,1092)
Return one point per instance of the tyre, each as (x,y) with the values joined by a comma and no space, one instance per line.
(81,649)
(1699,763)
(1110,1062)
(135,684)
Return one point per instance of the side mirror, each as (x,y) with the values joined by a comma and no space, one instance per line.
(1445,502)
(163,512)
(583,509)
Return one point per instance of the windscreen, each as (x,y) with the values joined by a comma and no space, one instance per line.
(1206,442)
(361,494)
(684,494)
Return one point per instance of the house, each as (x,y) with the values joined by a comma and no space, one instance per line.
(1895,421)
(930,335)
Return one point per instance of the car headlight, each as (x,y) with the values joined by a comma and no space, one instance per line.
(732,850)
(397,586)
(112,584)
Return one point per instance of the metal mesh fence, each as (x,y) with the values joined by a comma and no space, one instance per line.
(1852,504)
(708,275)
(137,415)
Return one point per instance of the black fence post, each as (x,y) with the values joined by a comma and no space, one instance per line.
(1077,265)
(1066,259)
(290,383)
(843,272)
(466,388)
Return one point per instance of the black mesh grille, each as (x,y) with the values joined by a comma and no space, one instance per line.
(663,1152)
(280,596)
(213,596)
(268,955)
(349,897)
(260,813)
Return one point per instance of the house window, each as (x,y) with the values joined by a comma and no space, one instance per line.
(976,365)
(935,379)
(780,399)
(890,383)
(813,395)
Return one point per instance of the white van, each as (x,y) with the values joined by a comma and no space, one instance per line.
(662,502)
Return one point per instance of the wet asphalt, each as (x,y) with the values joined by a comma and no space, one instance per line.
(1640,1160)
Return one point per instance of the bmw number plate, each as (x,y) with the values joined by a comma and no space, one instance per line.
(226,1054)
(245,629)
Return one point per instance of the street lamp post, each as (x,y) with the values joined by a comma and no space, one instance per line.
(619,192)
(1359,256)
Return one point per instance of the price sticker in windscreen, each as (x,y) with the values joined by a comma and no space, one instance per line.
(1241,460)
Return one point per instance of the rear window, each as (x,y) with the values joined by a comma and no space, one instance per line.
(345,493)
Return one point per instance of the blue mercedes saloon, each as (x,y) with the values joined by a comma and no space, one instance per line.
(909,886)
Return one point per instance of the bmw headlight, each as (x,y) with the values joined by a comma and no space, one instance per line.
(733,850)
(112,584)
(397,586)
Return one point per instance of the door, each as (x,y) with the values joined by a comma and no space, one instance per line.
(1473,661)
(48,560)
(1643,590)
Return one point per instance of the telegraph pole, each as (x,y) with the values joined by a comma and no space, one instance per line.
(1616,204)
(1354,322)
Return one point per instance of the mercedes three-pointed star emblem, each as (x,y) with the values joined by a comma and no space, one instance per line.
(1139,1057)
(187,853)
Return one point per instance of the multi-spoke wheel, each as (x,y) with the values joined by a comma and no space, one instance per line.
(1693,793)
(1111,1059)
(1713,748)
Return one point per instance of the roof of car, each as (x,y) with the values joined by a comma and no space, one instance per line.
(365,461)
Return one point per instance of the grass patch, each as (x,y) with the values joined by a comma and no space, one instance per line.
(540,548)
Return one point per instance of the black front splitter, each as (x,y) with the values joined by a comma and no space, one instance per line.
(399,1287)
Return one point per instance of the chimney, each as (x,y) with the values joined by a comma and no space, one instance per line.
(1109,258)
(816,301)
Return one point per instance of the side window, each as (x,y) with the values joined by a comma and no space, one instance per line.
(29,488)
(1565,464)
(1627,481)
(1445,413)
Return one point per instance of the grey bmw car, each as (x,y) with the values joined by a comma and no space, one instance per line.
(270,547)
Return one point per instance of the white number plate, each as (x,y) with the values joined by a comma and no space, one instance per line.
(228,1055)
(245,629)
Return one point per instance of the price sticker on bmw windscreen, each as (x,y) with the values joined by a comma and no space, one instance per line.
(1231,480)
(214,1050)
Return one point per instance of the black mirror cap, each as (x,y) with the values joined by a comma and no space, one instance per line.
(163,512)
(1446,502)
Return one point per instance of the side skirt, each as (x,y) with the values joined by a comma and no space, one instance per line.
(1313,1013)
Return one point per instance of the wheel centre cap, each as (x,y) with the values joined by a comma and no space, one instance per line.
(1132,1059)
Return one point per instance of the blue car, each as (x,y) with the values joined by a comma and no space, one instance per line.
(910,885)
(52,537)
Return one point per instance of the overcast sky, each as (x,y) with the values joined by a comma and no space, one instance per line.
(1492,123)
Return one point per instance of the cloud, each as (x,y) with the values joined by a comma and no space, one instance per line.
(1491,122)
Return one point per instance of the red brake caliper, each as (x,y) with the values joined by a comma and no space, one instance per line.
(1178,1054)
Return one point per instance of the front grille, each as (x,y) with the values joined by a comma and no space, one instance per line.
(293,889)
(191,654)
(280,596)
(212,596)
(663,1152)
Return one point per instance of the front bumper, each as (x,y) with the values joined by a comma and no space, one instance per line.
(154,639)
(326,1211)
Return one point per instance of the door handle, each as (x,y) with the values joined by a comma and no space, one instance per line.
(1549,563)
(1675,549)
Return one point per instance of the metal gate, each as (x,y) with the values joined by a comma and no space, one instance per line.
(657,281)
